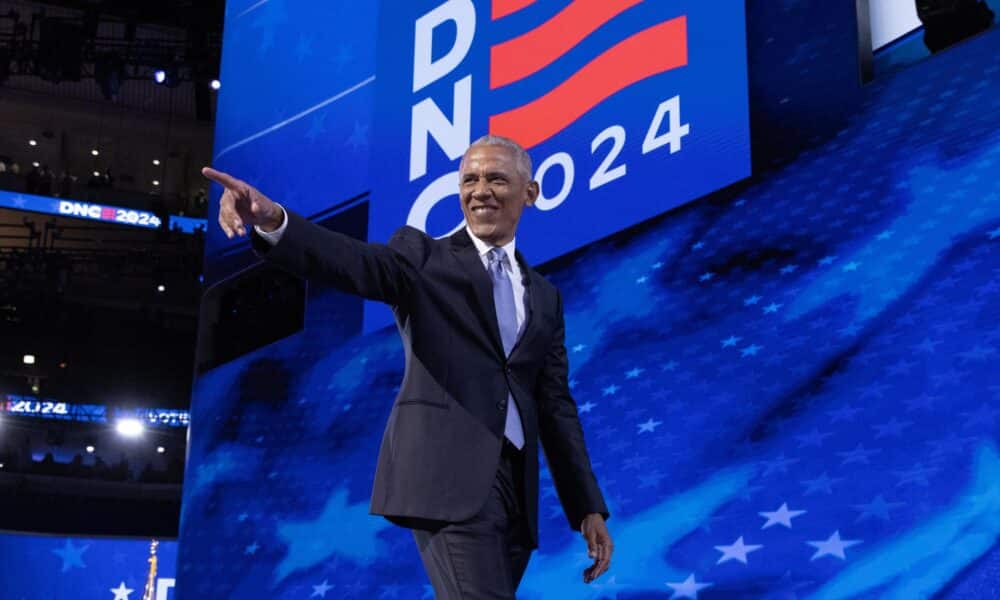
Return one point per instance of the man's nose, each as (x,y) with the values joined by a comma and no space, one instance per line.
(480,189)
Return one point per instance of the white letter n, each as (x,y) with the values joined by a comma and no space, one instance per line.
(452,136)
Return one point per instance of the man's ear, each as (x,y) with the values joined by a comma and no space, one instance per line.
(533,190)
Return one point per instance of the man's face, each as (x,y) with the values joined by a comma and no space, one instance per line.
(493,193)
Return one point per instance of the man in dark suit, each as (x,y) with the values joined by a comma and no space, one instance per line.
(485,378)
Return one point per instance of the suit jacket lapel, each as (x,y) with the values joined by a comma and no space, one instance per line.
(482,286)
(532,301)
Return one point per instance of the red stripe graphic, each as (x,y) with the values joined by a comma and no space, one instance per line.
(531,52)
(655,50)
(502,8)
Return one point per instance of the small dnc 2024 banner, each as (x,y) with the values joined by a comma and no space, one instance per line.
(628,109)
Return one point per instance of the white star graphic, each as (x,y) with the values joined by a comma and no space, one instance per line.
(321,589)
(782,516)
(833,546)
(736,551)
(121,592)
(586,407)
(688,588)
(649,425)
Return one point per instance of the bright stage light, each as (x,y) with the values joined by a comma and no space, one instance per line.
(32,143)
(90,449)
(159,76)
(95,151)
(156,161)
(130,427)
(160,449)
(29,359)
(216,84)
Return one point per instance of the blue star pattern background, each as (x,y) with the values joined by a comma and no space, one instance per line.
(58,568)
(789,389)
(295,108)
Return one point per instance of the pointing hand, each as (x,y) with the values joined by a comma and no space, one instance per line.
(242,205)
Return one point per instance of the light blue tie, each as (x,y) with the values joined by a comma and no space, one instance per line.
(503,300)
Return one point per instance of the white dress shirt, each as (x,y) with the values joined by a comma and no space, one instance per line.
(272,237)
(513,271)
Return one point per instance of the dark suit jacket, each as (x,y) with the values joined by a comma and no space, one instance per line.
(442,442)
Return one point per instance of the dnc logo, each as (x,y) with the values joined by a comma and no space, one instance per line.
(594,89)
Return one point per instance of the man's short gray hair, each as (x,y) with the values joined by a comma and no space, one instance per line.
(521,157)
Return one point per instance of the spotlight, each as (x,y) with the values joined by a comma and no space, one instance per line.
(156,182)
(161,288)
(156,161)
(29,359)
(169,75)
(97,173)
(36,164)
(90,449)
(32,142)
(216,84)
(35,389)
(130,427)
(159,450)
(94,152)
(1,465)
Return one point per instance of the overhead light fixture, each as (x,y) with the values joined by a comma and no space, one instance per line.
(94,152)
(161,288)
(90,449)
(159,76)
(32,143)
(160,449)
(156,182)
(29,359)
(131,428)
(216,84)
(156,161)
(36,164)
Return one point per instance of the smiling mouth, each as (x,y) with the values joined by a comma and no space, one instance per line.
(484,210)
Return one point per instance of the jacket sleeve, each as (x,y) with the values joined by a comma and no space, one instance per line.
(562,436)
(382,272)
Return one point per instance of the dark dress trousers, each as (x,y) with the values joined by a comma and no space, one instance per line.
(441,450)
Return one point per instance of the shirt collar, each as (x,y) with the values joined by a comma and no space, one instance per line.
(482,247)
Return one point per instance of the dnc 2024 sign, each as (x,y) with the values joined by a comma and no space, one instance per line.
(628,109)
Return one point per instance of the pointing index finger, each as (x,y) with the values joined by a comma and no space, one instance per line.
(224,179)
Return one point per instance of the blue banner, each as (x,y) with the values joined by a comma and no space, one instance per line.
(627,108)
(83,568)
